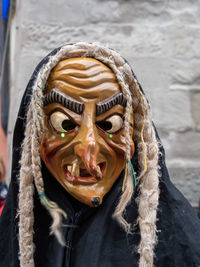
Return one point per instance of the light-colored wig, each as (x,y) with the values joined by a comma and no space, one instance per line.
(144,139)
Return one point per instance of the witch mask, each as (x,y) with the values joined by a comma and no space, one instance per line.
(84,143)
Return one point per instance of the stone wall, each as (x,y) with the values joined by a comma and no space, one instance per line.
(160,39)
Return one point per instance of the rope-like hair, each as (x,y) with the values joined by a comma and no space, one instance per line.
(143,136)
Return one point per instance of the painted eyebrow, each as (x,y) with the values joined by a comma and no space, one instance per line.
(55,96)
(107,104)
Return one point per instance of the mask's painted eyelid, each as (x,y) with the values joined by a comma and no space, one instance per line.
(107,133)
(116,113)
(63,134)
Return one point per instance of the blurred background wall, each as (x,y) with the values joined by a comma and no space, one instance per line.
(159,38)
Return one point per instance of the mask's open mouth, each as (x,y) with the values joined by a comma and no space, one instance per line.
(81,175)
(84,173)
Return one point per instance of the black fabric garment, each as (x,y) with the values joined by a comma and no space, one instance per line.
(97,240)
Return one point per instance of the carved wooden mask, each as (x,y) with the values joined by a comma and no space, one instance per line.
(83,144)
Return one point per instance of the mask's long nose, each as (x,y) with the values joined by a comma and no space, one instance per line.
(88,149)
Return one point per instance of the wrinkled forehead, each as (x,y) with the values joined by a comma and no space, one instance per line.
(83,78)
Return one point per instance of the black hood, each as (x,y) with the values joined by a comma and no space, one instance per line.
(96,239)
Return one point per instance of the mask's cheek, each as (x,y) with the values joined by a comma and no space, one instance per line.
(50,152)
(52,141)
(118,142)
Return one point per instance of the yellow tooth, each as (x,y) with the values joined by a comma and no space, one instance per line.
(99,173)
(75,169)
(69,168)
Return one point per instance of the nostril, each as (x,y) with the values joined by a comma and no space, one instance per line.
(102,166)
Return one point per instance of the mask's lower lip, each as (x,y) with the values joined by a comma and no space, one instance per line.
(87,179)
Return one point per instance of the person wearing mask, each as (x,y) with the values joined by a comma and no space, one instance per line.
(89,183)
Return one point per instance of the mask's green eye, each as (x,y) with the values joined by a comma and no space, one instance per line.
(61,122)
(112,124)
